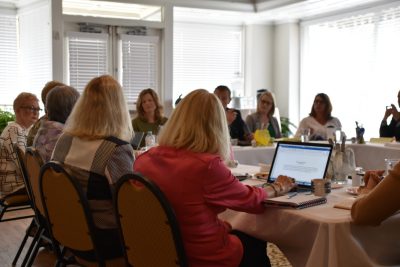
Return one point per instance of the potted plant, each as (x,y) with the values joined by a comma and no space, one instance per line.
(5,117)
(286,126)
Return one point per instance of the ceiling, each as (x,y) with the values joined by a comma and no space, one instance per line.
(273,11)
(244,11)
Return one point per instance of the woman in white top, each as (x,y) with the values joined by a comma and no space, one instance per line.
(320,120)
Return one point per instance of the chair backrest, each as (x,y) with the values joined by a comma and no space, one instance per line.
(33,163)
(21,165)
(149,228)
(67,210)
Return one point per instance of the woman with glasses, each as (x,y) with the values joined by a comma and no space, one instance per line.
(262,118)
(26,109)
(320,120)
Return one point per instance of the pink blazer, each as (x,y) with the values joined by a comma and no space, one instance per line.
(199,186)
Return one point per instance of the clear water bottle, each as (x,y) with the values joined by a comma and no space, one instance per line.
(150,140)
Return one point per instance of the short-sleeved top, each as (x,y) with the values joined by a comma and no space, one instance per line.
(11,177)
(97,164)
(319,131)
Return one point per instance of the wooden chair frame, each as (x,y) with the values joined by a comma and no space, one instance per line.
(32,156)
(53,166)
(4,206)
(169,212)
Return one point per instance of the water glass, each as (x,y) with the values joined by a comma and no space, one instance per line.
(305,136)
(234,141)
(389,164)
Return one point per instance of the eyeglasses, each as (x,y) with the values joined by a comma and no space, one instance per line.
(32,109)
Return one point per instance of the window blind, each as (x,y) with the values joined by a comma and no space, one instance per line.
(139,65)
(35,48)
(87,57)
(206,56)
(8,58)
(352,59)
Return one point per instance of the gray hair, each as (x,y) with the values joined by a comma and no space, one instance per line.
(60,102)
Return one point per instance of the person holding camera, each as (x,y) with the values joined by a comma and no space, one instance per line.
(393,129)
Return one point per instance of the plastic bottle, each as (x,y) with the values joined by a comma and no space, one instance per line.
(150,140)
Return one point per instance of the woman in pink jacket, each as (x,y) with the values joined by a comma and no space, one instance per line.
(189,168)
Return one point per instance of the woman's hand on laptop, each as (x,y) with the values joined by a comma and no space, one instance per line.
(284,183)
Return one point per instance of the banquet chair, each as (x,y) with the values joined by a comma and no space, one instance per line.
(19,198)
(33,162)
(148,225)
(68,215)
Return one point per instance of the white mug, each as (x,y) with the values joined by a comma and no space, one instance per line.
(355,179)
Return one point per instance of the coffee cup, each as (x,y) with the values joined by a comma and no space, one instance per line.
(320,187)
(264,167)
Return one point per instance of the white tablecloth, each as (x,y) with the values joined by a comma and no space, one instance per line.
(372,156)
(254,155)
(322,235)
(368,156)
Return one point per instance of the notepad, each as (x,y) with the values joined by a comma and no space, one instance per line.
(299,201)
(345,204)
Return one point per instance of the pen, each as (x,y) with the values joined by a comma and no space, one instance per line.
(290,195)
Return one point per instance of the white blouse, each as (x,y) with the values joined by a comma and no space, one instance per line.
(318,131)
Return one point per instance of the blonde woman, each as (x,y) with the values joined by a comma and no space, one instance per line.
(95,148)
(262,118)
(150,113)
(26,109)
(188,166)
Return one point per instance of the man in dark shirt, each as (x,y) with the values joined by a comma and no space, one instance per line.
(393,129)
(237,127)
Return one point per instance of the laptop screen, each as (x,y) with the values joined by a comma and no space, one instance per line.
(302,161)
(136,140)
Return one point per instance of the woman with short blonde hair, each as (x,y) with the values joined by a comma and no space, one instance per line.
(189,167)
(202,132)
(95,148)
(101,111)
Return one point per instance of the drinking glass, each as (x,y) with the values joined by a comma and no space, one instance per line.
(305,136)
(389,164)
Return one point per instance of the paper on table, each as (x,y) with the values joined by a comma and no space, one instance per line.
(346,203)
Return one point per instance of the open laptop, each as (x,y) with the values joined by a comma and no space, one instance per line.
(302,161)
(137,140)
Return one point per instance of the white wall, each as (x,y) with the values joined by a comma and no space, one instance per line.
(286,69)
(258,58)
